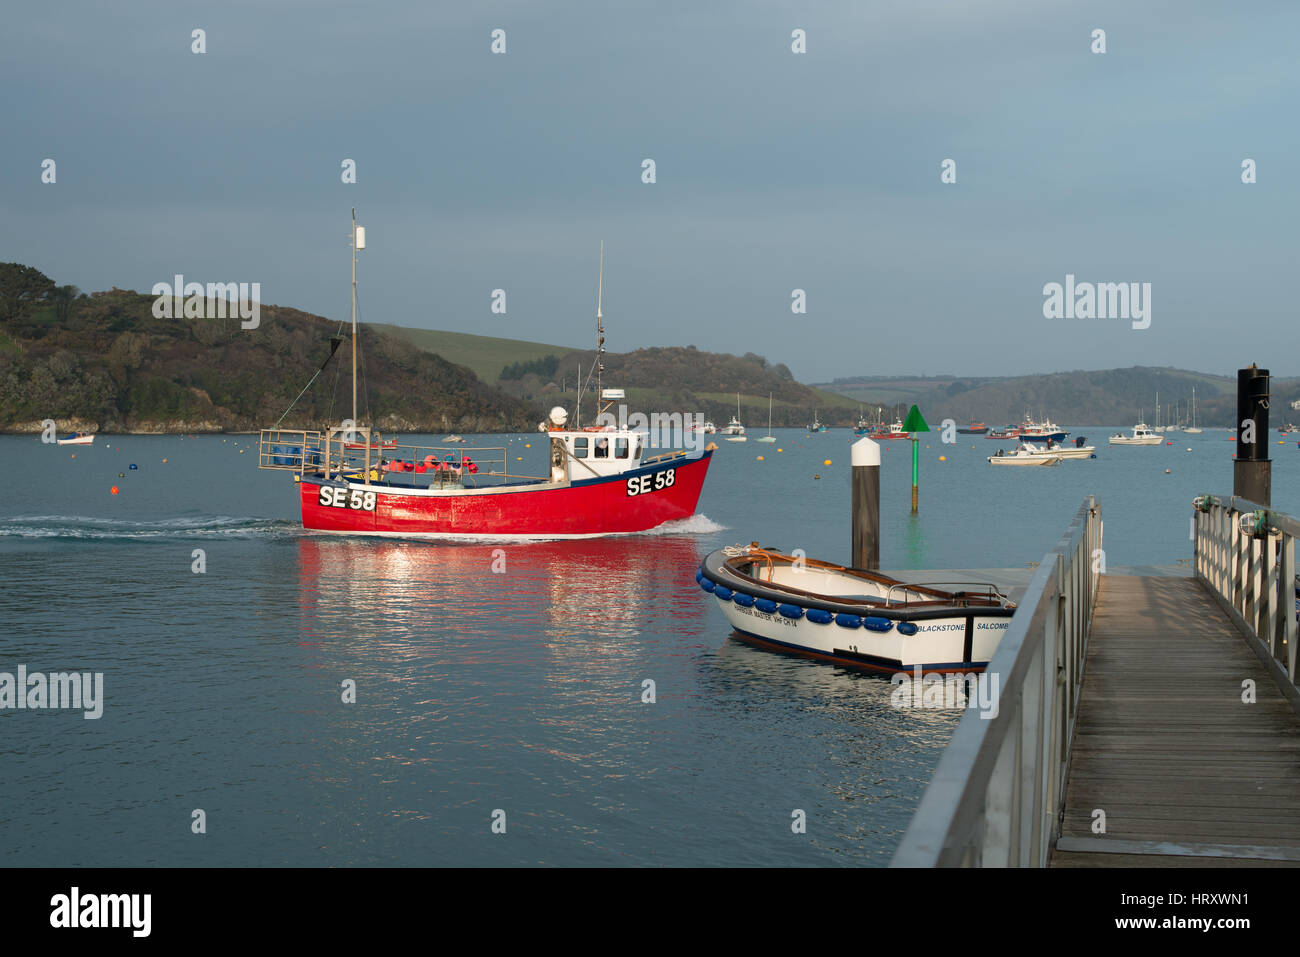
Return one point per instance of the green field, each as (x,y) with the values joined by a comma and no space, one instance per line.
(485,356)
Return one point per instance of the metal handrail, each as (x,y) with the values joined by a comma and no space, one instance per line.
(996,797)
(1244,554)
(992,593)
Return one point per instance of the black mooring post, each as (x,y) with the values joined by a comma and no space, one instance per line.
(865,456)
(1252,472)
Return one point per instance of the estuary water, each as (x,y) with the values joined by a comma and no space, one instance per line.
(514,697)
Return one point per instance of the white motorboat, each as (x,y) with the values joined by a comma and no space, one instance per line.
(1142,435)
(77,438)
(1061,451)
(1023,456)
(453,439)
(852,617)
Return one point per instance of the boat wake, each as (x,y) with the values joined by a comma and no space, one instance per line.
(84,527)
(222,526)
(697,524)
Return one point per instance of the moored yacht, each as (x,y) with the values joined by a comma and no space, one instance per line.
(734,428)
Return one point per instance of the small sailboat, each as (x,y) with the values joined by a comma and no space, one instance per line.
(1193,427)
(735,432)
(816,425)
(769,438)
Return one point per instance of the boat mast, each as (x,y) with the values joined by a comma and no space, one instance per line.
(600,335)
(354,316)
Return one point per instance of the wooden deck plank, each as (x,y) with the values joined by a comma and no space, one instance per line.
(1164,743)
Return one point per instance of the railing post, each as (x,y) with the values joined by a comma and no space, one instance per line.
(1268,623)
(1287,599)
(1030,794)
(996,843)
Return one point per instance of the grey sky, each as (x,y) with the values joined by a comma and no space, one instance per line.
(775,170)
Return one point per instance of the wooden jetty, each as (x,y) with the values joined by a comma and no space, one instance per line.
(1146,719)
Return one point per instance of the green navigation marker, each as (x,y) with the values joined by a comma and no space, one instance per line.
(915,423)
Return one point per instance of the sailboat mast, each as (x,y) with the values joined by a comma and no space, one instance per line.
(354,317)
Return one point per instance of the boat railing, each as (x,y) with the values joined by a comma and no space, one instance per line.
(1244,554)
(990,591)
(996,797)
(360,454)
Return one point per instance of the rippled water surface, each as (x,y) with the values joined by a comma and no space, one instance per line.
(477,691)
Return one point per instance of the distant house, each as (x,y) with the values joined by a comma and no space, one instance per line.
(1296,404)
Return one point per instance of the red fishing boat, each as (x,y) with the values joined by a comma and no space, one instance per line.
(601,482)
(894,431)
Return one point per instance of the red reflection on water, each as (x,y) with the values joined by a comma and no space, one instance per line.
(604,587)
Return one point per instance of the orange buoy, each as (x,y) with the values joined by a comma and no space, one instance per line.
(113,490)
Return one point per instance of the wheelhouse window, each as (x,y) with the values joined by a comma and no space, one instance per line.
(601,450)
(580,447)
(620,448)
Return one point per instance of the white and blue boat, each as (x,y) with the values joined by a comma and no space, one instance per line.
(852,617)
